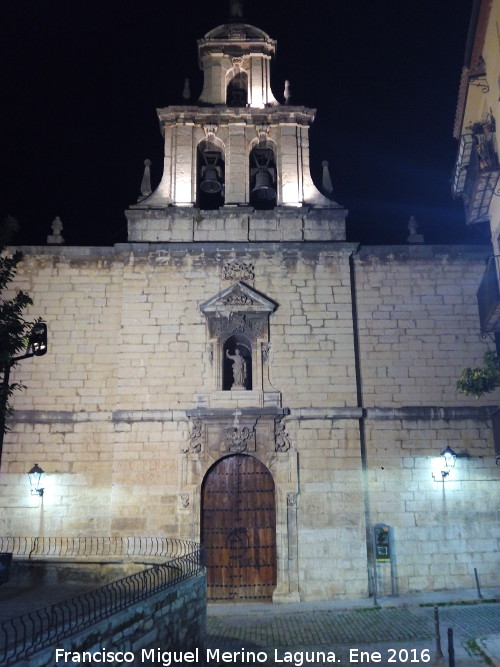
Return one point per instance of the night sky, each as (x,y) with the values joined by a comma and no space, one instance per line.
(81,82)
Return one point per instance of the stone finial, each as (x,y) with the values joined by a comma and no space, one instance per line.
(287,94)
(186,93)
(327,181)
(146,181)
(236,9)
(413,227)
(55,237)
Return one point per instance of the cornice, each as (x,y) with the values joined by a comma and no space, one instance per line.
(223,115)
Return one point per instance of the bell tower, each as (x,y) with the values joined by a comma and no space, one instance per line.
(237,156)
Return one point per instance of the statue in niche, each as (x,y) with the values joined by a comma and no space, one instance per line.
(239,369)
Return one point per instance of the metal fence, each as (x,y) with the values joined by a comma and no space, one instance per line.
(61,547)
(24,635)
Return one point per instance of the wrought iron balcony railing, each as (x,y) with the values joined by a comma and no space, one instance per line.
(477,170)
(488,297)
(480,185)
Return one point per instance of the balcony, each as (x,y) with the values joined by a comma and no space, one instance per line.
(477,171)
(479,187)
(488,297)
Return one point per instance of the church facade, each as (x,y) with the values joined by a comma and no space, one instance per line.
(240,375)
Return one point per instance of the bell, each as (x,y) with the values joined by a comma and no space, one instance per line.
(210,183)
(264,185)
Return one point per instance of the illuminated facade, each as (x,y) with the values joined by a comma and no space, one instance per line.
(237,154)
(239,373)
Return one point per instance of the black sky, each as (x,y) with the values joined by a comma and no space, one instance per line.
(81,82)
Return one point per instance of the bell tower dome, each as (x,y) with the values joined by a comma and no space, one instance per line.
(235,59)
(236,157)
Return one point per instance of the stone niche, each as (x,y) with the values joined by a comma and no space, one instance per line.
(238,349)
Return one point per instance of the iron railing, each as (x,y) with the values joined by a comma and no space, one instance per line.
(488,296)
(61,547)
(479,186)
(24,635)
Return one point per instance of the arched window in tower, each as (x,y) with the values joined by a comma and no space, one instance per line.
(237,90)
(262,178)
(237,363)
(210,177)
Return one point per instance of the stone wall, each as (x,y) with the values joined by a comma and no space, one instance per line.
(173,620)
(29,573)
(367,402)
(418,323)
(418,329)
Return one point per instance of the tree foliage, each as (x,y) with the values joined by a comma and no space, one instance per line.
(478,381)
(14,328)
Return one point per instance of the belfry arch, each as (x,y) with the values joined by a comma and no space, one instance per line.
(263,177)
(210,174)
(237,90)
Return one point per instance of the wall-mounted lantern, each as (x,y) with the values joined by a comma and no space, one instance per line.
(445,464)
(35,477)
(449,457)
(37,342)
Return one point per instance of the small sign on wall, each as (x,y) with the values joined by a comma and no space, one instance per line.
(382,542)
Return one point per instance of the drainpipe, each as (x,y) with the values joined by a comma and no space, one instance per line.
(370,553)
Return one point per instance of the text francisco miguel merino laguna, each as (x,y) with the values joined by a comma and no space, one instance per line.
(216,655)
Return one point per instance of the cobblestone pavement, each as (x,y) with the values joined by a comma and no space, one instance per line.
(388,636)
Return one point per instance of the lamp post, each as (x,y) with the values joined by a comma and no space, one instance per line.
(37,347)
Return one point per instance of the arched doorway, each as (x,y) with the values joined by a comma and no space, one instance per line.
(238,529)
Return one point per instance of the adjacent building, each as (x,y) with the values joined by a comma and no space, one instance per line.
(477,169)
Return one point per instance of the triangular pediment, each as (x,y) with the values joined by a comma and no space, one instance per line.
(239,297)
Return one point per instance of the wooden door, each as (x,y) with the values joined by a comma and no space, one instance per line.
(239,529)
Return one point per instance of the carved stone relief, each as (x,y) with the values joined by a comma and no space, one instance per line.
(281,437)
(210,130)
(237,438)
(237,300)
(210,352)
(237,322)
(262,130)
(237,62)
(213,433)
(184,501)
(194,441)
(237,270)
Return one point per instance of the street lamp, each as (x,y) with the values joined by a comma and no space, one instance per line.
(35,476)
